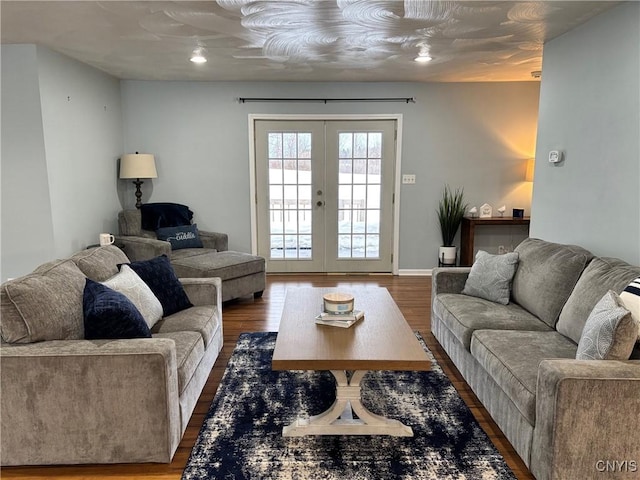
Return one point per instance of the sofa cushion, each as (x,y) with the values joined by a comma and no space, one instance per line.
(226,265)
(491,275)
(163,282)
(546,275)
(99,263)
(610,332)
(189,353)
(203,319)
(600,276)
(463,315)
(109,314)
(512,358)
(43,305)
(184,236)
(630,296)
(133,287)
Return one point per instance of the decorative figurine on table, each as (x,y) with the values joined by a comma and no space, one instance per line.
(473,212)
(486,211)
(501,210)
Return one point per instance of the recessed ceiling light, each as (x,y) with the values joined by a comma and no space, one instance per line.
(198,56)
(422,59)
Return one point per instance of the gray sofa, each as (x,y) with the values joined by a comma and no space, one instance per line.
(241,273)
(67,400)
(566,418)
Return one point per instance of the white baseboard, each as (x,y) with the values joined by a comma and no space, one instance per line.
(414,272)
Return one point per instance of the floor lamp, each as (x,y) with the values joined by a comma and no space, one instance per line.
(138,165)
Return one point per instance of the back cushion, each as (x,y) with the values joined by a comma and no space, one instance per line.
(600,276)
(546,275)
(130,222)
(44,305)
(100,263)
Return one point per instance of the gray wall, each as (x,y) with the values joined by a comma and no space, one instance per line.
(61,138)
(590,109)
(470,135)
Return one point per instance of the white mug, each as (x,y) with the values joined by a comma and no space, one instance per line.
(106,239)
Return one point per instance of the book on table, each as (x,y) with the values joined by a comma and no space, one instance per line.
(343,320)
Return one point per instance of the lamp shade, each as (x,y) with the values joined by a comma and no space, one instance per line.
(138,165)
(531,165)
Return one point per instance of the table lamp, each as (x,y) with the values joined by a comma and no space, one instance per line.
(138,165)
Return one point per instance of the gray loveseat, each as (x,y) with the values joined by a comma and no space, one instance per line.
(67,400)
(241,273)
(566,418)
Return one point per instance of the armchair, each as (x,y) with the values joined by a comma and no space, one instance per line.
(241,273)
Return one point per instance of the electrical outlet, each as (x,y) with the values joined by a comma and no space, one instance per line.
(408,179)
(501,250)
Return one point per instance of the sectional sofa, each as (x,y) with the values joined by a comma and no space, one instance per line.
(566,418)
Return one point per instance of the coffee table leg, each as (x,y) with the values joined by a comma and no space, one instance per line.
(338,419)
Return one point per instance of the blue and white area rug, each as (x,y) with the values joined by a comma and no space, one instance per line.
(241,437)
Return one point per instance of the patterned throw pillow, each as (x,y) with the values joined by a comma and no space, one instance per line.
(491,275)
(631,300)
(131,286)
(185,236)
(610,332)
(109,314)
(163,282)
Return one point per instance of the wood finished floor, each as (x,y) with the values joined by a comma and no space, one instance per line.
(413,296)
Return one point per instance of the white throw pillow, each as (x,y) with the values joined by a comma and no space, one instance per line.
(610,332)
(491,276)
(631,300)
(133,287)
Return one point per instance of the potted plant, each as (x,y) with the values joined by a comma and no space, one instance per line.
(451,209)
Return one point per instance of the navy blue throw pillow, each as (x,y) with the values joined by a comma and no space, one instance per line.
(163,282)
(185,236)
(109,314)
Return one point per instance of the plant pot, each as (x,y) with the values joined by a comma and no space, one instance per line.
(447,256)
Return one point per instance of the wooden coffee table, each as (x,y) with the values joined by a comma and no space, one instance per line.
(381,341)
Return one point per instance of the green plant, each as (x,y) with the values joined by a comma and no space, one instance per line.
(450,212)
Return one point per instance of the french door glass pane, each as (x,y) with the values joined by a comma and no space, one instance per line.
(359,194)
(290,195)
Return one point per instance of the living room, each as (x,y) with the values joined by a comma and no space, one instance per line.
(65,125)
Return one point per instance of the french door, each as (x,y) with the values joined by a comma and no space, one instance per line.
(325,195)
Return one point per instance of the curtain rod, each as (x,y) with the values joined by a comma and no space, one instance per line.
(327,100)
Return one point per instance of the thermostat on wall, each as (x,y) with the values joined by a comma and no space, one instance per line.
(555,156)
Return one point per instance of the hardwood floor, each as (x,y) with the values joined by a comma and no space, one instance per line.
(413,296)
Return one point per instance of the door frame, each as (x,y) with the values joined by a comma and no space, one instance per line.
(253,117)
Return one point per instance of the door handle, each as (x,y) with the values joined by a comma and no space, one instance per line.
(319,203)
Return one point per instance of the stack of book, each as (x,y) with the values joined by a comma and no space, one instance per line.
(343,320)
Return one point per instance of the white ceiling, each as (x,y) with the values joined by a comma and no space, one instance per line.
(300,40)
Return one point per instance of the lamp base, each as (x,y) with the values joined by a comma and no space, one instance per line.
(137,182)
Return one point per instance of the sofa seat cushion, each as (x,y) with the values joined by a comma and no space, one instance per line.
(600,276)
(463,315)
(190,252)
(204,320)
(44,305)
(227,265)
(512,358)
(189,353)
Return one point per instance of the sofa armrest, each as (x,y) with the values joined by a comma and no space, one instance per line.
(448,280)
(204,291)
(587,419)
(141,248)
(215,240)
(81,401)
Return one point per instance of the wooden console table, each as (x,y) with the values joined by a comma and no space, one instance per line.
(469,230)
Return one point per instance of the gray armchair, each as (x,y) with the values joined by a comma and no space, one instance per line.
(242,274)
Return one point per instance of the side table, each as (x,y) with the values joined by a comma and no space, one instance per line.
(469,230)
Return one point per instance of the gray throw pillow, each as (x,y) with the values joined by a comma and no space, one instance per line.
(610,332)
(491,275)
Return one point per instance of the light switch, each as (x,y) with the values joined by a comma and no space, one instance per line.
(408,179)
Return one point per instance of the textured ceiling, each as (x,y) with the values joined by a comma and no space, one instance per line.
(300,40)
